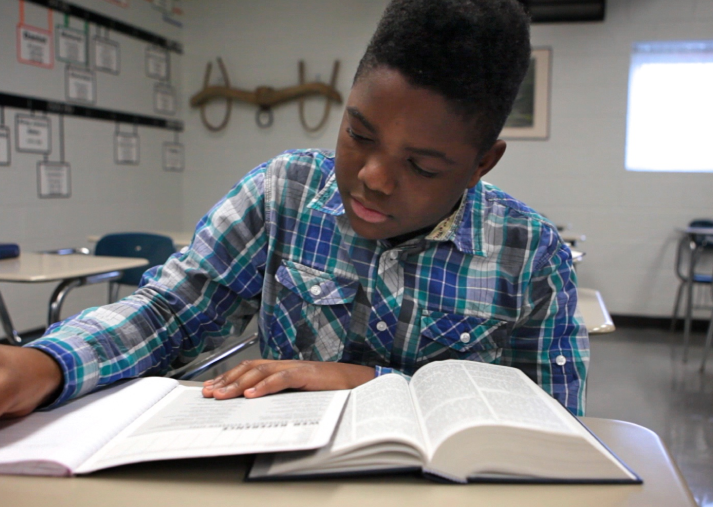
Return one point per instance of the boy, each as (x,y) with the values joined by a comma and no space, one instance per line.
(378,258)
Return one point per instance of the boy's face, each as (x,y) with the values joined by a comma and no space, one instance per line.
(403,158)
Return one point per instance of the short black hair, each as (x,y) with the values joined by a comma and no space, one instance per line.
(474,53)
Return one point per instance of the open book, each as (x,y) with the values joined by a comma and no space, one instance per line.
(459,421)
(156,418)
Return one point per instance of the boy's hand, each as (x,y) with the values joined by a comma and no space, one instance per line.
(253,379)
(28,378)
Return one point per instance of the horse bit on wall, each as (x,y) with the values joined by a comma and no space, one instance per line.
(265,97)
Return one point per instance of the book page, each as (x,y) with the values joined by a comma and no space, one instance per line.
(379,416)
(56,442)
(379,410)
(452,395)
(187,425)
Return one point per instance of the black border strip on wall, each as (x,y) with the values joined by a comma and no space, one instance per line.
(112,24)
(54,107)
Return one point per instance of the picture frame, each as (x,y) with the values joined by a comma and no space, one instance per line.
(530,116)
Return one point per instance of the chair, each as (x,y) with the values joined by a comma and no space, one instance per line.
(690,248)
(153,247)
(709,338)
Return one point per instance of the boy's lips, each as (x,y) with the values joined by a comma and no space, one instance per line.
(367,214)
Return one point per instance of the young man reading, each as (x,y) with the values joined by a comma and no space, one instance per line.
(380,257)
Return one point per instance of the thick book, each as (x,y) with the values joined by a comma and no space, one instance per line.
(458,421)
(157,418)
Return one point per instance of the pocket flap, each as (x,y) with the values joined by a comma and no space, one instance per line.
(316,287)
(462,332)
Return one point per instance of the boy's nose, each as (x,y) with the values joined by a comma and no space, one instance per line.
(378,176)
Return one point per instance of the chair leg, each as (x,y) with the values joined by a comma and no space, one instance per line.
(707,346)
(677,305)
(113,292)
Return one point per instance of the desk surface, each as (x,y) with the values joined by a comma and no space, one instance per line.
(218,482)
(37,267)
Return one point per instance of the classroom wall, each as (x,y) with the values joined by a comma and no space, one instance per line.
(105,197)
(576,177)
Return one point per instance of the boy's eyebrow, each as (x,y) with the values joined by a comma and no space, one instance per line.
(428,152)
(353,111)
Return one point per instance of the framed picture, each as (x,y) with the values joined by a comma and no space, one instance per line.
(530,116)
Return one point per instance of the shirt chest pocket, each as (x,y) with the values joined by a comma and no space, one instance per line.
(313,313)
(454,336)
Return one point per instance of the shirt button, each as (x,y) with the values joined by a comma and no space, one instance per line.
(381,326)
(561,360)
(394,255)
(315,290)
(465,337)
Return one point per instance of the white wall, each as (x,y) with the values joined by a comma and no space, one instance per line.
(105,197)
(577,177)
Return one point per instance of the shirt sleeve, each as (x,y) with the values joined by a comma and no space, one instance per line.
(192,303)
(549,342)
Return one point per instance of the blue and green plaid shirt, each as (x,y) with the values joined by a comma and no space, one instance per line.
(492,283)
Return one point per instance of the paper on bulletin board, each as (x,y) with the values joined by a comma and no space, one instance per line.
(4,146)
(106,55)
(53,180)
(80,85)
(34,46)
(126,148)
(157,63)
(33,134)
(173,159)
(71,45)
(164,99)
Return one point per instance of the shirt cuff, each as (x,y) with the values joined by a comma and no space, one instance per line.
(78,363)
(383,370)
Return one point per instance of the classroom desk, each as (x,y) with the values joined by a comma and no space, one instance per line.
(180,239)
(73,270)
(219,482)
(691,232)
(594,311)
(572,237)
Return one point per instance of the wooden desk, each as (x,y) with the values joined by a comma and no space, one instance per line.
(180,239)
(71,271)
(219,482)
(594,311)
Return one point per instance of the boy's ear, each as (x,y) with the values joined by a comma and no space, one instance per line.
(489,160)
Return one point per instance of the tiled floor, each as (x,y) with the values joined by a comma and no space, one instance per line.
(638,375)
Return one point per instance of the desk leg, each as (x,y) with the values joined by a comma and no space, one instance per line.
(60,293)
(12,336)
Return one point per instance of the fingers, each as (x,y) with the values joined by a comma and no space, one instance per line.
(246,375)
(253,379)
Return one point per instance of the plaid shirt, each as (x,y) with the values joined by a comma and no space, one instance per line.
(493,283)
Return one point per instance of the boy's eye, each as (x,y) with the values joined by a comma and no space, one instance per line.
(355,136)
(420,171)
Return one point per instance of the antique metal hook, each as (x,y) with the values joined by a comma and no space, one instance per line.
(265,97)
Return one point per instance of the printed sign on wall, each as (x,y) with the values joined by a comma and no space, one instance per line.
(80,83)
(106,55)
(4,145)
(126,148)
(32,134)
(34,46)
(53,180)
(164,99)
(71,45)
(157,63)
(173,157)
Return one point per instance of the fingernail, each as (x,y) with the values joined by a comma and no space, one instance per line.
(223,390)
(250,391)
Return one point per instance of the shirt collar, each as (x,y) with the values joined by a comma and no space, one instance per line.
(464,227)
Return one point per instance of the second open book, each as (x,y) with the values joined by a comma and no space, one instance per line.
(460,421)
